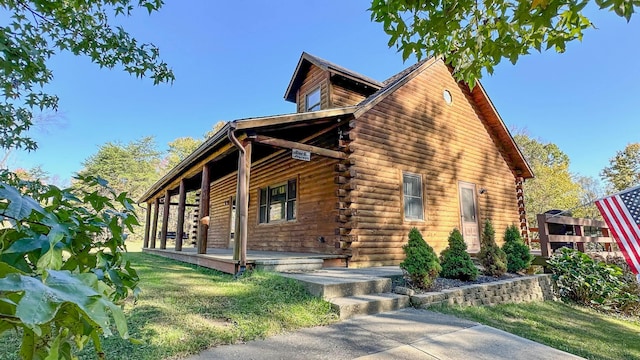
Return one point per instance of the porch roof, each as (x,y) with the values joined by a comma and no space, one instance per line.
(220,139)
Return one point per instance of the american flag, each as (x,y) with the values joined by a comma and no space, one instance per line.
(621,212)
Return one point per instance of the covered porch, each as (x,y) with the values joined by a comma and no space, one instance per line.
(186,205)
(223,259)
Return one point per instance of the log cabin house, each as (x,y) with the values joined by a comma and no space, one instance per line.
(348,175)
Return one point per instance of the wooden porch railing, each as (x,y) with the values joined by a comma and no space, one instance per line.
(556,231)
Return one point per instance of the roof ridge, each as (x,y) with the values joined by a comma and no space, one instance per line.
(331,65)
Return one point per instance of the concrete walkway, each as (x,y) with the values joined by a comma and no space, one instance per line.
(405,334)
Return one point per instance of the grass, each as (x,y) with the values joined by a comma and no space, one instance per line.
(184,309)
(577,330)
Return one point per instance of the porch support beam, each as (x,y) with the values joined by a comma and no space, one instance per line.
(182,197)
(165,220)
(244,217)
(147,226)
(154,227)
(242,198)
(281,143)
(203,225)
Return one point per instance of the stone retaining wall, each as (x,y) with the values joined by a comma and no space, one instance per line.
(522,289)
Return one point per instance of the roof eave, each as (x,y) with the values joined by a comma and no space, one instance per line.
(240,124)
(175,172)
(525,172)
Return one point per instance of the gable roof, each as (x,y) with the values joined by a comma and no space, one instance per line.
(516,158)
(305,62)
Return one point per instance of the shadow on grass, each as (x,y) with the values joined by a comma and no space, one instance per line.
(573,329)
(184,309)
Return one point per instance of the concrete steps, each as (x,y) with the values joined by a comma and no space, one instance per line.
(355,292)
(359,305)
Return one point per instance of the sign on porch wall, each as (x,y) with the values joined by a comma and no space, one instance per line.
(300,155)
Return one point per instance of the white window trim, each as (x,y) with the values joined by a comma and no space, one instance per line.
(421,197)
(308,108)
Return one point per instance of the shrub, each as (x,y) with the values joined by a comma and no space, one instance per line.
(585,281)
(421,263)
(518,255)
(492,258)
(455,261)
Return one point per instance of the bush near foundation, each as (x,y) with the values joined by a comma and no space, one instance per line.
(455,261)
(421,264)
(492,258)
(593,283)
(518,255)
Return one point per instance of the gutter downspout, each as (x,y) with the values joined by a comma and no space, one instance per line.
(242,203)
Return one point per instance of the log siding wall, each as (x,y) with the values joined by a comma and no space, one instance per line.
(314,227)
(341,96)
(414,130)
(315,78)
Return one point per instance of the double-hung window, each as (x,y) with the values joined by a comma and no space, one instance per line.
(412,196)
(312,100)
(278,202)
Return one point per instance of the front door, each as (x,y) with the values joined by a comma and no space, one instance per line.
(469,216)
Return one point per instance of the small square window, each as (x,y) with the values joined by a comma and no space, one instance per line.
(278,203)
(412,196)
(312,100)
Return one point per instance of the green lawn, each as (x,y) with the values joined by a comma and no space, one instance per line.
(184,309)
(574,329)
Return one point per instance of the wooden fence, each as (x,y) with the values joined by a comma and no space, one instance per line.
(556,231)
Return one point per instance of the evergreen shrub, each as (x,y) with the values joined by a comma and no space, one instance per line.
(421,263)
(492,258)
(518,255)
(455,261)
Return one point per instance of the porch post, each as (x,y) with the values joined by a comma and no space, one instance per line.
(203,226)
(244,218)
(154,227)
(165,220)
(147,227)
(182,197)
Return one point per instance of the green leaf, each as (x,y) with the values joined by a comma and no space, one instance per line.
(19,206)
(43,298)
(26,245)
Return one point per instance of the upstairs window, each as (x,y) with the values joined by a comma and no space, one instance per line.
(412,196)
(312,100)
(278,202)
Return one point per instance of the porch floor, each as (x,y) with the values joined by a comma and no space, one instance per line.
(222,259)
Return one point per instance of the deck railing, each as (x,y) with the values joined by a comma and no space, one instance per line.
(555,231)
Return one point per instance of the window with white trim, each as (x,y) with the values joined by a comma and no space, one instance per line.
(278,202)
(412,196)
(312,100)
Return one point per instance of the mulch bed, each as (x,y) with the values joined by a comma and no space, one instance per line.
(441,283)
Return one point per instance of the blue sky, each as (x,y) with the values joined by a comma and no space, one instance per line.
(234,59)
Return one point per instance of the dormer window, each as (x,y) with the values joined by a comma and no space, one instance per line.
(312,101)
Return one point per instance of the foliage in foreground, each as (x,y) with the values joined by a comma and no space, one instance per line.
(492,258)
(62,273)
(588,282)
(571,328)
(455,261)
(183,309)
(518,255)
(38,29)
(421,262)
(477,35)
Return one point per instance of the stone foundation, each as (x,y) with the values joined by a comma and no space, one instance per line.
(516,290)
